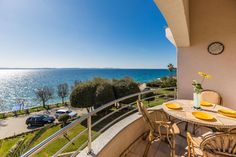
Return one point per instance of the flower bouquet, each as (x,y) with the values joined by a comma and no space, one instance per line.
(197,88)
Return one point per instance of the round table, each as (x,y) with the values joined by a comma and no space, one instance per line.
(222,122)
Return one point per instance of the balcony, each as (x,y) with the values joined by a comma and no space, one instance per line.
(114,130)
(124,132)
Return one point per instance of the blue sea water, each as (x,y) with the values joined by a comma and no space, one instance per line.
(21,83)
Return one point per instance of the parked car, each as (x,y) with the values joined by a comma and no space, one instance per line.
(60,112)
(39,120)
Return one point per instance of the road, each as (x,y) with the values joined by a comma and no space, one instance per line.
(16,125)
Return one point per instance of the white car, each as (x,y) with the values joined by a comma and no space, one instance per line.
(60,112)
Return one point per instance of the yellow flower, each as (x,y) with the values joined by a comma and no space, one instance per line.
(200,73)
(205,75)
(208,76)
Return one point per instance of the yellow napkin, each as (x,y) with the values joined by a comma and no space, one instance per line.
(205,103)
(227,112)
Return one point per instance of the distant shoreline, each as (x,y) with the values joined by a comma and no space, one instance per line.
(2,68)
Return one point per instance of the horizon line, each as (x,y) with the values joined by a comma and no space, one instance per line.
(5,68)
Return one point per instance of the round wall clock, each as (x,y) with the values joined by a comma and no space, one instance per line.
(215,48)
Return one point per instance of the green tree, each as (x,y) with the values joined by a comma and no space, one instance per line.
(168,82)
(83,95)
(92,93)
(149,96)
(99,91)
(64,119)
(163,82)
(76,82)
(125,87)
(104,92)
(171,68)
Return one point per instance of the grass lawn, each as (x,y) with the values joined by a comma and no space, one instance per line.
(7,144)
(159,101)
(61,141)
(165,91)
(46,134)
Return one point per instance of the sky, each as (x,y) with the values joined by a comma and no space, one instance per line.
(83,34)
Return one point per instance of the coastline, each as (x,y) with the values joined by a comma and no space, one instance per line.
(21,83)
(7,114)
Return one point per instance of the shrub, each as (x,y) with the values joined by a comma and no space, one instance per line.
(100,91)
(149,96)
(155,83)
(92,93)
(76,82)
(104,93)
(64,119)
(125,87)
(163,82)
(83,95)
(169,82)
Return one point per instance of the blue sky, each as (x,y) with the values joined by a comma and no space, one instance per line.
(83,33)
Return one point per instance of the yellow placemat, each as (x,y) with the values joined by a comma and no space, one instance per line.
(173,106)
(203,116)
(191,117)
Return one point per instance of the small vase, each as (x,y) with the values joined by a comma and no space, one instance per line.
(196,100)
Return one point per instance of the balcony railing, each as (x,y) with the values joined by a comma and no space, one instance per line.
(158,94)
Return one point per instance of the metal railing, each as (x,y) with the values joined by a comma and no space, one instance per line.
(90,125)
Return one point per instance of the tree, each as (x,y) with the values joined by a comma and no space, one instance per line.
(44,94)
(149,96)
(104,92)
(76,82)
(171,68)
(125,87)
(163,82)
(2,107)
(63,91)
(99,91)
(168,82)
(64,119)
(92,93)
(155,83)
(1,104)
(83,95)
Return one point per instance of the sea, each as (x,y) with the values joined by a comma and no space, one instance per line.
(18,85)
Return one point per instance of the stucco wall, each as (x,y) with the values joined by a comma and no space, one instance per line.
(211,20)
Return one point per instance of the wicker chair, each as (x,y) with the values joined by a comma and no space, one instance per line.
(194,143)
(211,96)
(158,130)
(233,130)
(194,146)
(219,145)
